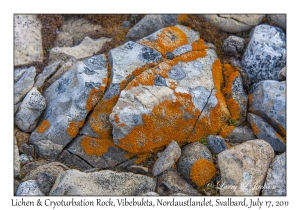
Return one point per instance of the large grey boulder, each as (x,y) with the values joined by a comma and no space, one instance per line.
(29,188)
(28,46)
(30,110)
(244,168)
(103,183)
(265,55)
(69,100)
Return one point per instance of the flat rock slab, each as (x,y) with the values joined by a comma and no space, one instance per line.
(28,46)
(103,183)
(234,23)
(244,168)
(29,188)
(265,54)
(69,100)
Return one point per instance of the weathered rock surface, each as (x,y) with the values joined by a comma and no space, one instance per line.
(233,45)
(282,74)
(216,144)
(24,159)
(17,166)
(73,161)
(136,169)
(45,182)
(269,102)
(107,183)
(244,167)
(28,46)
(21,137)
(275,183)
(30,110)
(69,100)
(170,182)
(29,188)
(31,166)
(24,80)
(63,39)
(167,158)
(46,73)
(27,150)
(265,55)
(240,134)
(279,20)
(88,47)
(234,23)
(189,155)
(264,131)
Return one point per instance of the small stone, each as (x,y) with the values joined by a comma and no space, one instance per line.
(24,159)
(240,134)
(45,182)
(233,45)
(216,144)
(126,24)
(22,137)
(29,188)
(27,150)
(282,74)
(170,56)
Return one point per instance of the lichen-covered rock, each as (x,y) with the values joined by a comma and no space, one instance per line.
(244,167)
(240,134)
(103,183)
(275,183)
(98,152)
(234,23)
(17,166)
(46,73)
(86,48)
(69,100)
(24,80)
(233,45)
(268,100)
(30,110)
(189,155)
(29,188)
(282,74)
(45,182)
(170,182)
(216,144)
(152,23)
(73,161)
(265,55)
(264,131)
(167,158)
(279,20)
(28,46)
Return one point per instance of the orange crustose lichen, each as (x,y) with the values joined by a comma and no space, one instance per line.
(95,146)
(250,96)
(226,130)
(255,128)
(202,172)
(43,126)
(74,127)
(217,74)
(182,17)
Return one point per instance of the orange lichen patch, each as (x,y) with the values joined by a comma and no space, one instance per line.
(95,146)
(74,127)
(168,40)
(93,98)
(129,155)
(202,172)
(142,157)
(146,78)
(133,83)
(217,74)
(122,125)
(186,100)
(228,145)
(199,45)
(226,130)
(234,108)
(172,85)
(280,137)
(143,68)
(255,128)
(250,97)
(43,126)
(182,18)
(230,74)
(190,56)
(117,119)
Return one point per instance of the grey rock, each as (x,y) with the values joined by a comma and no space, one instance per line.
(240,134)
(17,166)
(170,182)
(24,159)
(269,102)
(73,161)
(16,107)
(216,144)
(69,100)
(27,150)
(189,155)
(31,166)
(233,45)
(279,20)
(265,55)
(23,82)
(16,186)
(107,183)
(234,23)
(92,170)
(28,46)
(45,182)
(264,131)
(126,24)
(30,110)
(151,194)
(244,167)
(138,169)
(46,73)
(275,184)
(282,74)
(179,194)
(150,24)
(29,188)
(167,158)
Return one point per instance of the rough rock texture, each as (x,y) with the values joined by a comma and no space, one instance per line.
(23,82)
(233,45)
(86,48)
(29,188)
(73,161)
(46,73)
(21,137)
(275,183)
(167,158)
(150,24)
(17,166)
(24,159)
(73,31)
(264,131)
(265,55)
(234,23)
(28,46)
(45,182)
(108,183)
(69,99)
(269,102)
(53,169)
(31,166)
(240,134)
(30,110)
(27,150)
(282,74)
(189,155)
(216,144)
(170,182)
(279,20)
(244,167)
(136,169)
